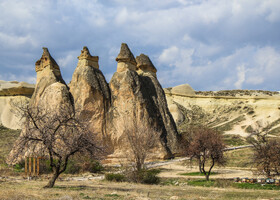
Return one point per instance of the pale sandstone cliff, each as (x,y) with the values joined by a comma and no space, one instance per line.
(12,92)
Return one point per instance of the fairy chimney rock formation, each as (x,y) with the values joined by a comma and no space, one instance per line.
(125,59)
(50,93)
(90,92)
(48,72)
(133,93)
(88,60)
(139,96)
(145,65)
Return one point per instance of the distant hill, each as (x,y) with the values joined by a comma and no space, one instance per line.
(233,112)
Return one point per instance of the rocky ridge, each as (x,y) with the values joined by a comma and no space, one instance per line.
(233,112)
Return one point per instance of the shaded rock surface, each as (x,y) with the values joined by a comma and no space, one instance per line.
(142,94)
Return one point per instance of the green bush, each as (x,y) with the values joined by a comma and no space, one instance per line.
(72,167)
(143,176)
(94,167)
(114,177)
(19,167)
(150,177)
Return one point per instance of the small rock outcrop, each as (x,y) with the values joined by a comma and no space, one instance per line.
(184,89)
(90,92)
(14,88)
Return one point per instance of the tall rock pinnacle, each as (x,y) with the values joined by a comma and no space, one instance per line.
(134,94)
(90,92)
(156,102)
(51,94)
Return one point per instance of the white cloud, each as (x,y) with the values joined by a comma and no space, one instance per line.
(201,42)
(241,72)
(65,61)
(255,80)
(169,55)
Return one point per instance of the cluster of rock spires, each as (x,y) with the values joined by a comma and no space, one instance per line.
(134,88)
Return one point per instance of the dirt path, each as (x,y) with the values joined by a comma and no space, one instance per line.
(175,170)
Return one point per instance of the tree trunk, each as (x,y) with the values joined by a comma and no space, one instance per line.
(207,176)
(52,181)
(199,164)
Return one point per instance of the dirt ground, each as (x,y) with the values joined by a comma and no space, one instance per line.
(87,187)
(66,190)
(175,170)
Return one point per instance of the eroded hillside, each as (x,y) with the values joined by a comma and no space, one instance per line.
(235,112)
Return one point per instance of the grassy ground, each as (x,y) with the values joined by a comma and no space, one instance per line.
(183,188)
(240,158)
(109,190)
(7,139)
(197,174)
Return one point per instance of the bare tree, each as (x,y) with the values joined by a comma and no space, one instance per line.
(206,146)
(55,133)
(141,140)
(266,154)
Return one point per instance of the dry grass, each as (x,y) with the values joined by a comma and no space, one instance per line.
(241,158)
(7,139)
(108,190)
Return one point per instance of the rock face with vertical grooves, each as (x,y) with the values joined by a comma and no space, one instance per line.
(90,92)
(156,102)
(142,94)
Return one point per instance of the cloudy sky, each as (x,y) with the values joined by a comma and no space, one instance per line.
(210,44)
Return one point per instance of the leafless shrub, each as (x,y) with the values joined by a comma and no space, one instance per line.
(140,139)
(266,154)
(55,133)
